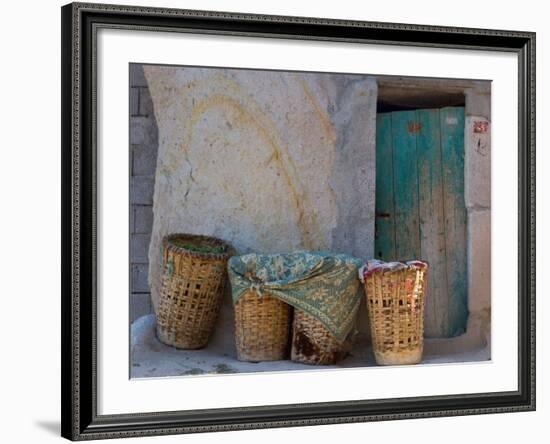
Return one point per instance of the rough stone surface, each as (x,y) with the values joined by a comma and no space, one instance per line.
(143,219)
(477,162)
(144,160)
(269,161)
(137,77)
(140,305)
(138,130)
(132,219)
(139,278)
(143,131)
(145,103)
(142,188)
(139,245)
(479,260)
(134,101)
(477,194)
(478,102)
(151,358)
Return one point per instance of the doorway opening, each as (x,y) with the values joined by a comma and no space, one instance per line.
(420,206)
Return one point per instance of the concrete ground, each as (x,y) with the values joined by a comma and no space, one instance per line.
(150,358)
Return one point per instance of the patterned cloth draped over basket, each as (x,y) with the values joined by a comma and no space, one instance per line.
(395,293)
(323,290)
(193,282)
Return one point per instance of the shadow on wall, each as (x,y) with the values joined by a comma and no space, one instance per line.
(143,163)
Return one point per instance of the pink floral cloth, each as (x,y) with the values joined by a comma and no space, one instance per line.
(375,265)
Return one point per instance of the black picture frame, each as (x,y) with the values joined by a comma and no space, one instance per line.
(79,385)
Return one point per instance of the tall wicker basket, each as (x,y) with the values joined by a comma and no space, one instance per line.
(193,281)
(395,295)
(262,327)
(312,343)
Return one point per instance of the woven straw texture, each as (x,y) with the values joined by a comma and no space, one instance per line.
(262,327)
(312,343)
(395,299)
(192,288)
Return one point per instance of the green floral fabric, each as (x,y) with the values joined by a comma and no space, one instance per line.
(324,285)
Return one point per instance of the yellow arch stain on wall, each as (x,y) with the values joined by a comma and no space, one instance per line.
(321,114)
(269,135)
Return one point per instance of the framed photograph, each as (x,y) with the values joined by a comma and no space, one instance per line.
(279,221)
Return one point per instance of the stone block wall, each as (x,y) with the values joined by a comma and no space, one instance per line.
(143,161)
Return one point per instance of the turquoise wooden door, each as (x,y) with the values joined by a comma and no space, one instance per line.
(420,210)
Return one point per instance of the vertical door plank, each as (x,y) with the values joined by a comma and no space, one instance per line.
(405,182)
(452,156)
(385,214)
(432,221)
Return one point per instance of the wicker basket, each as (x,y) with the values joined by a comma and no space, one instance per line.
(262,327)
(312,343)
(193,281)
(395,295)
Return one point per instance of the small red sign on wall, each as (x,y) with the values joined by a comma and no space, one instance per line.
(481,126)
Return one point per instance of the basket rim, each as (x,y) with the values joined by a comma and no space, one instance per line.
(167,243)
(376,266)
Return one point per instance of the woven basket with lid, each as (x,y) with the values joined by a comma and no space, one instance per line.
(395,293)
(193,281)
